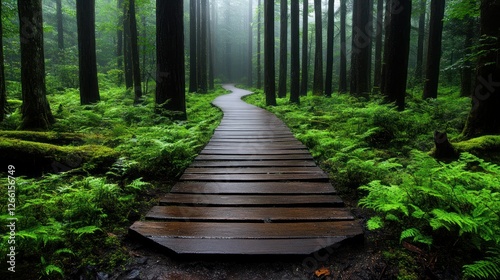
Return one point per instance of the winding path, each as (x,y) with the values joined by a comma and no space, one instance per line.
(253,190)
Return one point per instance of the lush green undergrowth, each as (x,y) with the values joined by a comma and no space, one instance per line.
(380,155)
(70,221)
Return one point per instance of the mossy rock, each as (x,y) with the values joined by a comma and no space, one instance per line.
(487,147)
(52,137)
(34,158)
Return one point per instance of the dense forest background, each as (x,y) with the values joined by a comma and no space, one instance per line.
(104,103)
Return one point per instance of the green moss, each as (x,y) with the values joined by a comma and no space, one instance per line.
(487,147)
(51,137)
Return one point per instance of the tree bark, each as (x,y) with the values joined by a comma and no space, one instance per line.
(89,87)
(283,48)
(305,31)
(3,94)
(397,44)
(269,68)
(250,43)
(361,47)
(343,48)
(134,47)
(170,78)
(318,53)
(466,73)
(295,55)
(203,48)
(420,44)
(229,53)
(259,45)
(36,114)
(210,35)
(127,48)
(119,41)
(434,49)
(329,49)
(193,83)
(484,116)
(378,46)
(60,29)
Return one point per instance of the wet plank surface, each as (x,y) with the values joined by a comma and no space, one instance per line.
(254,189)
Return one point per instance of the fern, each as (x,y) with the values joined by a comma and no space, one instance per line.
(487,268)
(416,235)
(86,230)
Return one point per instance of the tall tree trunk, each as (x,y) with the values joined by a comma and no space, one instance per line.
(378,46)
(283,49)
(119,40)
(484,116)
(89,87)
(343,48)
(134,47)
(420,44)
(203,48)
(229,63)
(361,47)
(36,114)
(170,79)
(3,94)
(466,73)
(305,31)
(397,45)
(434,49)
(198,44)
(329,49)
(259,45)
(193,83)
(60,30)
(318,53)
(127,48)
(269,68)
(250,43)
(295,54)
(210,35)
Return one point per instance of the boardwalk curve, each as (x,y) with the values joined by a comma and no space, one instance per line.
(253,190)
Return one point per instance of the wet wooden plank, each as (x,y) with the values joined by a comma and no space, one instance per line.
(253,170)
(248,163)
(252,151)
(273,188)
(251,200)
(319,176)
(255,157)
(248,214)
(261,146)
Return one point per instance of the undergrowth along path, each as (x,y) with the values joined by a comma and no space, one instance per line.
(253,190)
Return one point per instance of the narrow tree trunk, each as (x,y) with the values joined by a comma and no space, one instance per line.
(434,49)
(89,87)
(361,47)
(269,68)
(318,53)
(119,41)
(329,49)
(466,73)
(134,47)
(305,31)
(229,63)
(420,44)
(295,55)
(36,114)
(343,48)
(193,83)
(250,43)
(259,45)
(3,94)
(378,46)
(60,30)
(170,79)
(397,45)
(283,49)
(203,48)
(484,116)
(127,48)
(198,44)
(210,35)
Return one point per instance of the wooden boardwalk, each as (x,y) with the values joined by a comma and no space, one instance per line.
(253,190)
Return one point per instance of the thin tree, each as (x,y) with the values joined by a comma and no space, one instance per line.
(193,83)
(378,46)
(250,43)
(329,49)
(259,43)
(269,68)
(397,50)
(466,73)
(60,29)
(361,47)
(420,42)
(210,34)
(283,48)
(305,31)
(119,40)
(3,94)
(170,79)
(134,48)
(36,114)
(434,49)
(318,53)
(89,88)
(127,48)
(203,48)
(484,116)
(294,53)
(343,48)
